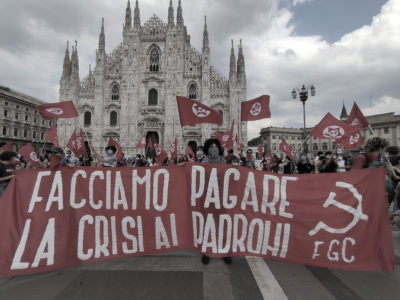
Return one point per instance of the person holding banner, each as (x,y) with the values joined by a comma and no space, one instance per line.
(6,169)
(374,148)
(213,151)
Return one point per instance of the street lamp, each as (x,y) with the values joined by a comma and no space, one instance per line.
(303,95)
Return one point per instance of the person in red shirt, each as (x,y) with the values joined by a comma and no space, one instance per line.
(374,147)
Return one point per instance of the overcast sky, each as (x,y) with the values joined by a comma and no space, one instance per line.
(349,49)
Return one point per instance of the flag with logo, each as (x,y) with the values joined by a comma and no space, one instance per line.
(118,154)
(28,152)
(227,138)
(174,149)
(331,128)
(52,136)
(192,112)
(256,109)
(142,142)
(239,146)
(352,141)
(64,109)
(161,154)
(287,149)
(72,142)
(356,118)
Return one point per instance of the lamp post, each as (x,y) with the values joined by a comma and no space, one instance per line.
(303,95)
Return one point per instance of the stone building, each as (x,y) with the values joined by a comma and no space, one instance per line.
(20,122)
(385,125)
(133,89)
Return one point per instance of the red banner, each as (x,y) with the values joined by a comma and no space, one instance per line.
(174,149)
(287,149)
(118,154)
(192,112)
(356,118)
(64,109)
(52,136)
(353,141)
(256,109)
(53,219)
(142,141)
(331,128)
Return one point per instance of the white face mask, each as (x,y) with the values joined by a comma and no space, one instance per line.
(109,152)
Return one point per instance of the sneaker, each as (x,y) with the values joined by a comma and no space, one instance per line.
(205,260)
(227,260)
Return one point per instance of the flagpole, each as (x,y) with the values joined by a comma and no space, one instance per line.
(370,129)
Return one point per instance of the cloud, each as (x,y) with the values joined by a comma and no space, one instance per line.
(362,65)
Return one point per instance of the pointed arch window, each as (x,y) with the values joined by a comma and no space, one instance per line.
(222,116)
(115,92)
(154,60)
(153,97)
(87,118)
(113,118)
(193,91)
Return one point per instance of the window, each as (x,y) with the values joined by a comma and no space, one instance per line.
(324,146)
(17,106)
(27,109)
(34,120)
(292,137)
(153,97)
(42,122)
(25,133)
(15,131)
(26,118)
(315,146)
(6,103)
(154,60)
(16,116)
(192,91)
(386,130)
(4,130)
(87,118)
(274,137)
(273,146)
(34,134)
(41,135)
(113,118)
(222,116)
(6,113)
(115,93)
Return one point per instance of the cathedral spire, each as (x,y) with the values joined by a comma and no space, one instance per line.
(102,42)
(136,20)
(232,65)
(90,71)
(128,17)
(241,74)
(75,62)
(344,116)
(67,63)
(170,14)
(179,16)
(206,44)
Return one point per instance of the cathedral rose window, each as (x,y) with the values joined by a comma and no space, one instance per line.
(154,60)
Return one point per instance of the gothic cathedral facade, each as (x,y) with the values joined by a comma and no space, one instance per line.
(133,90)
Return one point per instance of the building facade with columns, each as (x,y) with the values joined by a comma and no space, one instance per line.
(133,89)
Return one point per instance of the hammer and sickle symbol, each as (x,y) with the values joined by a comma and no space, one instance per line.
(356,212)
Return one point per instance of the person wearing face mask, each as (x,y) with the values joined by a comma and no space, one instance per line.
(200,154)
(304,166)
(109,160)
(7,167)
(249,161)
(213,151)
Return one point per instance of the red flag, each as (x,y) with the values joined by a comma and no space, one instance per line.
(117,154)
(352,141)
(256,109)
(331,128)
(192,112)
(80,145)
(287,149)
(174,149)
(7,147)
(52,136)
(189,152)
(260,151)
(150,144)
(239,146)
(161,154)
(72,143)
(64,109)
(142,142)
(29,154)
(357,118)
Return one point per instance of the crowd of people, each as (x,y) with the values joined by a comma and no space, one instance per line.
(377,152)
